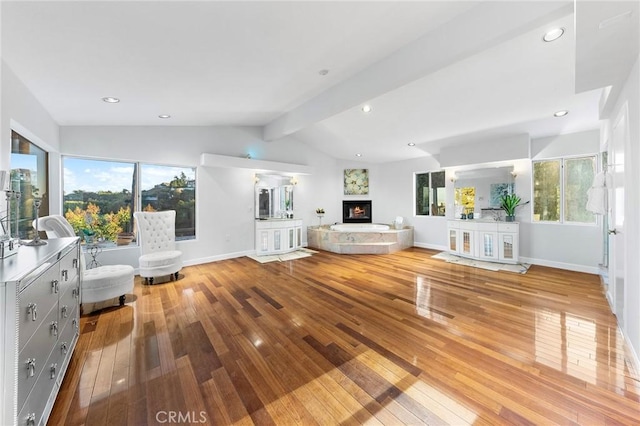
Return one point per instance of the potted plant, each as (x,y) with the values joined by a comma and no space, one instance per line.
(509,202)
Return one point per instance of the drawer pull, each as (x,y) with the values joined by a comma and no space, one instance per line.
(63,311)
(75,323)
(53,369)
(54,285)
(65,274)
(31,419)
(64,348)
(32,308)
(31,367)
(74,262)
(75,292)
(54,328)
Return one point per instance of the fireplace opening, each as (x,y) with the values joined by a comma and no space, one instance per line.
(356,211)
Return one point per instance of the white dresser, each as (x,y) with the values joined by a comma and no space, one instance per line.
(39,327)
(484,240)
(275,236)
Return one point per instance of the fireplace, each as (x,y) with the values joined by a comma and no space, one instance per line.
(356,211)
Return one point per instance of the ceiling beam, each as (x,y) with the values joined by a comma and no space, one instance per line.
(485,25)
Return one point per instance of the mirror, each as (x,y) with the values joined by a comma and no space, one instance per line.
(481,189)
(273,197)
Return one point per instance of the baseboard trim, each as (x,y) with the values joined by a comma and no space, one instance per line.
(219,257)
(595,270)
(430,246)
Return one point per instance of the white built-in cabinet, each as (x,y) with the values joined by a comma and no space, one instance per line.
(39,327)
(275,236)
(489,241)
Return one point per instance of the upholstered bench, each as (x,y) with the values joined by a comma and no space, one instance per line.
(107,282)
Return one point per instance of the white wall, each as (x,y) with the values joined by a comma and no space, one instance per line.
(225,196)
(396,195)
(566,246)
(574,247)
(22,112)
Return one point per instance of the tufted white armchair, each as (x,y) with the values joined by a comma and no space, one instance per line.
(157,238)
(97,284)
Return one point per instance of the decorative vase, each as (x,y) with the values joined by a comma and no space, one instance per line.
(510,219)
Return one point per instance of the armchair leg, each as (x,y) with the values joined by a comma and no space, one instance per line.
(151,281)
(122,299)
(176,276)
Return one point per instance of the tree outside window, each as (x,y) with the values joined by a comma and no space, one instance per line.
(560,189)
(100,196)
(171,188)
(430,194)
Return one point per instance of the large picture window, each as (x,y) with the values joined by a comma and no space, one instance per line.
(560,189)
(100,196)
(171,188)
(430,194)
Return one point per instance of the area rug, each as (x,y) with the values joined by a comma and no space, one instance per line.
(519,268)
(298,254)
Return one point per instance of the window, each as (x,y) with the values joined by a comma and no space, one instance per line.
(29,179)
(171,188)
(430,194)
(101,196)
(560,189)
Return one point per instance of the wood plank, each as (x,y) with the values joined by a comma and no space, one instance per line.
(354,339)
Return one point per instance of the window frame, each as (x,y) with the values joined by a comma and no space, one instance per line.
(430,183)
(562,220)
(137,189)
(26,210)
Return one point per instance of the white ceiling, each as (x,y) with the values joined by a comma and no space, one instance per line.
(435,73)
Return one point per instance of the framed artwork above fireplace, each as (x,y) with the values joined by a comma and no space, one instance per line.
(356,181)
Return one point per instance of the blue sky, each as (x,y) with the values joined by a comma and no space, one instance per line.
(92,175)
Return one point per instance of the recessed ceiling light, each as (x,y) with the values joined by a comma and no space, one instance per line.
(111,100)
(411,144)
(323,72)
(560,113)
(553,34)
(358,155)
(366,108)
(164,116)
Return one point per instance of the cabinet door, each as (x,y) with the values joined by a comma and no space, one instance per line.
(262,241)
(277,240)
(508,247)
(466,242)
(488,245)
(453,240)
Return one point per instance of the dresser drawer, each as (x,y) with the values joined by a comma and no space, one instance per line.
(507,227)
(68,270)
(32,358)
(69,302)
(66,341)
(487,226)
(36,300)
(40,394)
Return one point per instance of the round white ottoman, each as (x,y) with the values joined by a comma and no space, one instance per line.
(107,282)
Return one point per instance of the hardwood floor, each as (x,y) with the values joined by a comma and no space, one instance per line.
(354,339)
